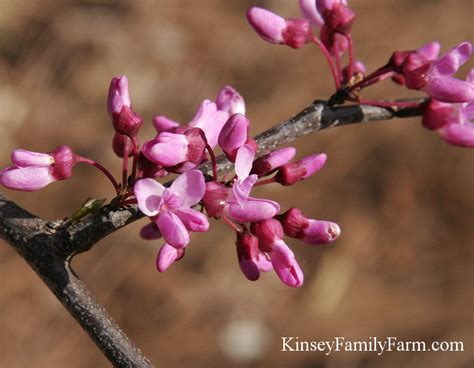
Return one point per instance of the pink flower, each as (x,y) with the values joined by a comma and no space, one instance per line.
(453,122)
(33,170)
(124,119)
(275,29)
(270,233)
(167,256)
(236,202)
(294,172)
(251,259)
(171,208)
(172,149)
(234,135)
(313,232)
(229,100)
(268,163)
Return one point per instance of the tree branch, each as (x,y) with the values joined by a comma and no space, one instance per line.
(49,246)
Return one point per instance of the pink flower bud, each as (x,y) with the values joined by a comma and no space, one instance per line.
(122,145)
(270,162)
(308,8)
(285,265)
(292,173)
(33,170)
(267,231)
(275,29)
(248,254)
(118,95)
(167,256)
(312,232)
(337,16)
(229,100)
(234,135)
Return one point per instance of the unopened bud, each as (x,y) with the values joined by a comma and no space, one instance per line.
(294,172)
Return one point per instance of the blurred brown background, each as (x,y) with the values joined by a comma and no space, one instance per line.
(403,266)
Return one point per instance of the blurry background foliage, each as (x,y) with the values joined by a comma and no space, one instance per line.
(402,267)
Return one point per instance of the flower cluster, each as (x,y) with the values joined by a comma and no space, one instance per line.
(448,109)
(175,212)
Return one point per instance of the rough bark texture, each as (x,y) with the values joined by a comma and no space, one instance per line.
(49,246)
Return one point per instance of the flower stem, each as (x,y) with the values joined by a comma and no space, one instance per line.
(103,169)
(125,169)
(214,162)
(136,150)
(372,78)
(351,57)
(231,224)
(326,53)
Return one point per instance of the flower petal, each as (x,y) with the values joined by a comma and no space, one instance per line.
(264,264)
(167,255)
(26,179)
(308,8)
(24,158)
(252,210)
(193,220)
(249,268)
(189,187)
(164,124)
(168,149)
(449,63)
(458,134)
(148,193)
(244,161)
(447,89)
(173,230)
(241,190)
(285,265)
(430,51)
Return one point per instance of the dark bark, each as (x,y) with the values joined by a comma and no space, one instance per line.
(49,246)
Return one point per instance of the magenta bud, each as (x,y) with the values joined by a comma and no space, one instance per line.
(122,145)
(196,145)
(247,253)
(320,232)
(270,162)
(118,95)
(268,25)
(234,135)
(230,101)
(294,172)
(337,16)
(267,231)
(127,121)
(275,29)
(167,256)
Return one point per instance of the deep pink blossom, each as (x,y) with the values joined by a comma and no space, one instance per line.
(270,162)
(33,170)
(234,135)
(251,259)
(172,149)
(270,241)
(278,30)
(454,122)
(125,120)
(313,232)
(171,208)
(229,100)
(294,172)
(235,202)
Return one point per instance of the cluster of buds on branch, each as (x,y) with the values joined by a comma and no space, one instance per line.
(449,110)
(178,210)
